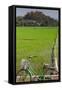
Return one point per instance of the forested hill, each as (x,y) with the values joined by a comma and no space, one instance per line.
(35,19)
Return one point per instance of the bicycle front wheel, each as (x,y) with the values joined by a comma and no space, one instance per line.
(23,76)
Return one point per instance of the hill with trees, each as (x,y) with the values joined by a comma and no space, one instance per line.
(35,19)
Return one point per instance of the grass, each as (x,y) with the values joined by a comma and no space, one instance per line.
(34,41)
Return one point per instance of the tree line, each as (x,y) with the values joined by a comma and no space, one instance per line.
(35,19)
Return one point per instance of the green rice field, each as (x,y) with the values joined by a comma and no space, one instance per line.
(35,41)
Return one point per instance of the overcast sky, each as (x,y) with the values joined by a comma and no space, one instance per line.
(52,13)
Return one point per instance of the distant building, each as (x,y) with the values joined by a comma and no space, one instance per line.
(27,22)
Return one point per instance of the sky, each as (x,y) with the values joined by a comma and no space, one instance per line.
(23,11)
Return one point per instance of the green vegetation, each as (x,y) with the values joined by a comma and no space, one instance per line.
(35,19)
(34,41)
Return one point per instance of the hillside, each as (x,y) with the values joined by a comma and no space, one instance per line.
(35,19)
